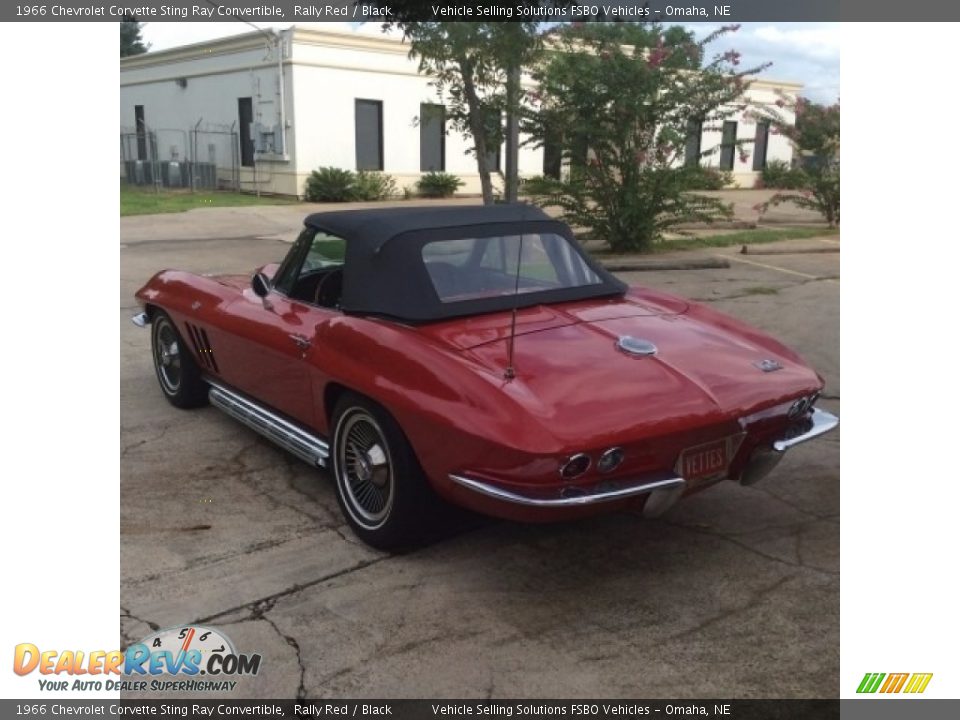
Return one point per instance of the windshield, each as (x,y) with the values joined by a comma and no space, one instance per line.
(486,267)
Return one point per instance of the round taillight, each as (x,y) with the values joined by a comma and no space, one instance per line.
(610,460)
(576,466)
(798,408)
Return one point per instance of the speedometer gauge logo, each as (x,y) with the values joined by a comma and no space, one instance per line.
(189,650)
(204,641)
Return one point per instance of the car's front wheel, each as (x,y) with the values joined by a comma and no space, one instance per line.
(180,377)
(380,486)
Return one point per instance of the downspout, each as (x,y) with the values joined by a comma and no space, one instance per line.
(283,110)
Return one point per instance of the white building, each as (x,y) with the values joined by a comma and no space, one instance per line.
(262,110)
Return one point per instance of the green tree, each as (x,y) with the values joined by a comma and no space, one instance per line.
(623,100)
(815,136)
(474,67)
(131,39)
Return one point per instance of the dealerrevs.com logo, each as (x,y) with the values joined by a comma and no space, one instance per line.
(188,658)
(911,683)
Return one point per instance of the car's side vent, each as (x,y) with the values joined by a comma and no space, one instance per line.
(202,348)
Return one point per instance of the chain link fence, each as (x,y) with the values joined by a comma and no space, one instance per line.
(203,157)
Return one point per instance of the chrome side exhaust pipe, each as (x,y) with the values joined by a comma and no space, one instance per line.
(296,440)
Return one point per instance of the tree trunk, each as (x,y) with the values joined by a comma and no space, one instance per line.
(478,130)
(512,177)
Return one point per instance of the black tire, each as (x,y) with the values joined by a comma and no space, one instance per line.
(177,372)
(383,493)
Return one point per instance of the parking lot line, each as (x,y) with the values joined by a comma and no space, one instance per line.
(778,268)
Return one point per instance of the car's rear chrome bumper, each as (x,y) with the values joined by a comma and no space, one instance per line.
(819,423)
(662,489)
(140,319)
(577,497)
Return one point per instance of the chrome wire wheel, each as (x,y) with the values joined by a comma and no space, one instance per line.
(364,469)
(166,356)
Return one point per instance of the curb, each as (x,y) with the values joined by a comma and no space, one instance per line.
(787,251)
(650,265)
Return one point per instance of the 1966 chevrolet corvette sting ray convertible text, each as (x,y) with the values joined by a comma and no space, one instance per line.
(478,356)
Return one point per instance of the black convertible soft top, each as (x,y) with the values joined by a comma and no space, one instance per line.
(384,272)
(373,228)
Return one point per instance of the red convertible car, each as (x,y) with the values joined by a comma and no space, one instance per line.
(478,356)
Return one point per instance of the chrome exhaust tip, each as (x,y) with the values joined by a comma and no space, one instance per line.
(659,501)
(140,319)
(761,463)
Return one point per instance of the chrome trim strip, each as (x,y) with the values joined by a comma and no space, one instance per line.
(666,480)
(821,422)
(140,319)
(294,439)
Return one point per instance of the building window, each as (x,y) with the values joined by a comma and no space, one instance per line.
(369,130)
(728,145)
(141,125)
(691,151)
(245,113)
(760,145)
(433,135)
(552,153)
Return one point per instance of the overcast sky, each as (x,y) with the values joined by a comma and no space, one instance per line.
(802,52)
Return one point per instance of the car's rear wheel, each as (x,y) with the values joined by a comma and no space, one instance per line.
(179,376)
(380,486)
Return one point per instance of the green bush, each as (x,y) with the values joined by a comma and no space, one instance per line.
(778,175)
(373,186)
(706,178)
(438,185)
(330,184)
(538,186)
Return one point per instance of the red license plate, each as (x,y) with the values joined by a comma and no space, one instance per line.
(704,461)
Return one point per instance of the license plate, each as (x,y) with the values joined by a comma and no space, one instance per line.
(705,461)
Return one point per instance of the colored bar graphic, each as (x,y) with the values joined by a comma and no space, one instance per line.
(918,682)
(894,682)
(870,682)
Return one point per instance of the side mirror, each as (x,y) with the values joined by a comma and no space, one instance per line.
(261,285)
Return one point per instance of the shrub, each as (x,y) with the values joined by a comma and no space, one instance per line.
(369,185)
(816,138)
(778,175)
(618,98)
(706,178)
(438,184)
(330,184)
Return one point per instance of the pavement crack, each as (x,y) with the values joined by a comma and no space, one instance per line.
(292,642)
(245,475)
(149,623)
(292,590)
(749,548)
(755,600)
(128,640)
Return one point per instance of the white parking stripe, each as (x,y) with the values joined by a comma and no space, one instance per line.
(777,268)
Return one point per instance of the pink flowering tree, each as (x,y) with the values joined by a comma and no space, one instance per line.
(815,136)
(625,101)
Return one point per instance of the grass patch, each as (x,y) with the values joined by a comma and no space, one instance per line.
(743,237)
(760,290)
(146,201)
